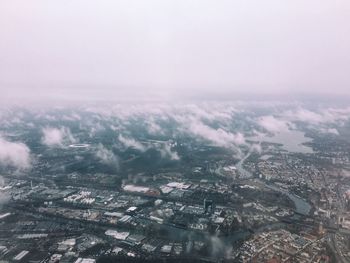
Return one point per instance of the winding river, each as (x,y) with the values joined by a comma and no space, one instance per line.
(301,206)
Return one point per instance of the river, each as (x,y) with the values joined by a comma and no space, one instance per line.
(301,206)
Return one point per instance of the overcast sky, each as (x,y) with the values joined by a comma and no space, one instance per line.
(115,49)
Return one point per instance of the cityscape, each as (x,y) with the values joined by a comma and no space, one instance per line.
(97,187)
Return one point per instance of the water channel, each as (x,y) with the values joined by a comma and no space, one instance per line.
(301,206)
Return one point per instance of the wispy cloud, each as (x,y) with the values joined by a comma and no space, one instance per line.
(273,125)
(322,116)
(57,136)
(219,136)
(333,131)
(107,156)
(132,143)
(166,152)
(14,154)
(153,127)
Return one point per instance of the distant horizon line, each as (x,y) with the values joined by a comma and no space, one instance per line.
(227,97)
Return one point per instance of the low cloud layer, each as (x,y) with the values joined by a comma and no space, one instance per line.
(323,120)
(107,156)
(57,136)
(166,152)
(164,148)
(134,126)
(218,137)
(273,125)
(14,154)
(132,143)
(322,116)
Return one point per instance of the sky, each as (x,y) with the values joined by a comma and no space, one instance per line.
(84,49)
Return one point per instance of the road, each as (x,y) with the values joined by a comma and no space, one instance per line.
(332,242)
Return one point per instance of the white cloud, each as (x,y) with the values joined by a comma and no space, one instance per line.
(219,136)
(107,156)
(153,128)
(210,112)
(307,116)
(132,143)
(333,131)
(196,120)
(164,148)
(14,154)
(57,137)
(272,124)
(256,148)
(323,116)
(329,131)
(166,152)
